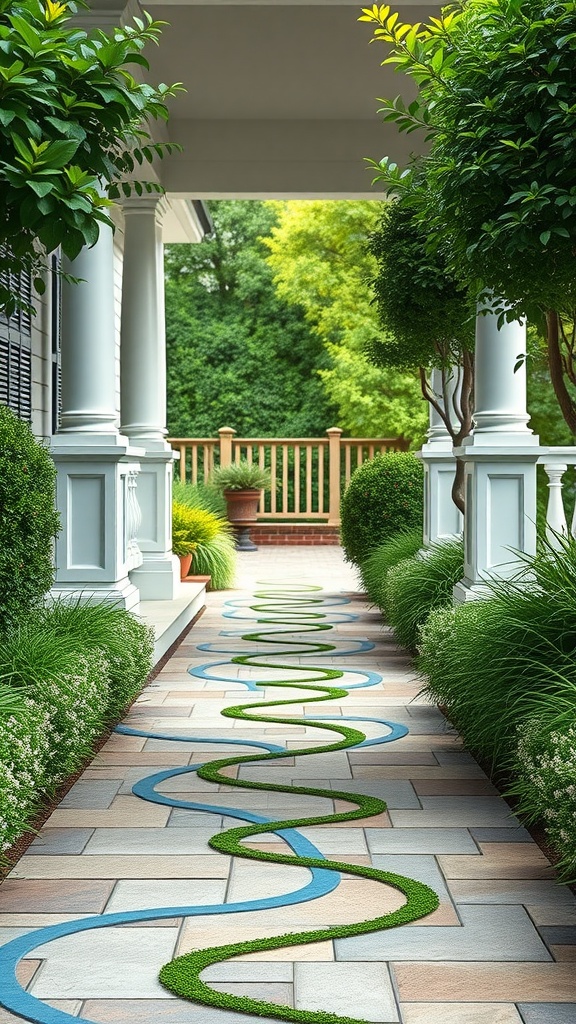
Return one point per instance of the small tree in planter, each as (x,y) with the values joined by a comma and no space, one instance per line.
(242,484)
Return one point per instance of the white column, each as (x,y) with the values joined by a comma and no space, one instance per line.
(88,344)
(143,393)
(500,457)
(96,468)
(442,519)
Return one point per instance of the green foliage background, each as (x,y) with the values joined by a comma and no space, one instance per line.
(238,355)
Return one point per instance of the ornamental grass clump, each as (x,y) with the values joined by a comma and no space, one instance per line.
(214,549)
(126,644)
(198,495)
(496,663)
(384,496)
(418,585)
(374,569)
(241,476)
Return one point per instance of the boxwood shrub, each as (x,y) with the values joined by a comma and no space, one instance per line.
(384,496)
(28,519)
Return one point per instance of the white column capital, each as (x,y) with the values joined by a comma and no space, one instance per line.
(153,204)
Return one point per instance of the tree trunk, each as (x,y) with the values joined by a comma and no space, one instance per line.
(556,366)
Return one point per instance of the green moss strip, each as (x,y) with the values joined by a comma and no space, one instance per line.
(182,975)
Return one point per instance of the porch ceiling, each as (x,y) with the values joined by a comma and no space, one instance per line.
(281,98)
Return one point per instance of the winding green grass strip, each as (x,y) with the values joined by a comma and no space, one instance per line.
(182,975)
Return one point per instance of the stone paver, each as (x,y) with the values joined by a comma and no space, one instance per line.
(500,949)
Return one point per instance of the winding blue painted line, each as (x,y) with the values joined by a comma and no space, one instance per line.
(372,678)
(363,646)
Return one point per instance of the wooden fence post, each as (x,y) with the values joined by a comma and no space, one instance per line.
(334,435)
(226,435)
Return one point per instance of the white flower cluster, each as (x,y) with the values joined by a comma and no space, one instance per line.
(66,713)
(547,773)
(24,754)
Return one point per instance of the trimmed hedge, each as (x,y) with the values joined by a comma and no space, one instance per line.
(384,497)
(419,585)
(28,519)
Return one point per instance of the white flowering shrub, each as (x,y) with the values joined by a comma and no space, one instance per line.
(78,666)
(76,701)
(24,756)
(546,771)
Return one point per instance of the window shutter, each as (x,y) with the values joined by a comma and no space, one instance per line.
(15,350)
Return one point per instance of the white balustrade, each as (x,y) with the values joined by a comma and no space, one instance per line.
(556,462)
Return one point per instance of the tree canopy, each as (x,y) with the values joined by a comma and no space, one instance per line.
(73,121)
(496,82)
(238,354)
(321,262)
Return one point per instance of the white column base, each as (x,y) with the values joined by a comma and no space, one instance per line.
(95,494)
(500,486)
(442,520)
(158,577)
(123,594)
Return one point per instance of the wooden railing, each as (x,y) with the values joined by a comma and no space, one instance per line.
(309,474)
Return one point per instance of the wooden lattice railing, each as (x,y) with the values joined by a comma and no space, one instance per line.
(309,474)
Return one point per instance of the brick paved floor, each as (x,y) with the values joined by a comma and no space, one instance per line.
(500,949)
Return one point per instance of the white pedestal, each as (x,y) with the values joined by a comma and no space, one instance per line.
(158,577)
(500,487)
(442,520)
(96,498)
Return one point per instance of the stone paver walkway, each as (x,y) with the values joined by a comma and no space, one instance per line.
(500,949)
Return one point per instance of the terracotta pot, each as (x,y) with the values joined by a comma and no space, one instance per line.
(242,509)
(185,563)
(242,506)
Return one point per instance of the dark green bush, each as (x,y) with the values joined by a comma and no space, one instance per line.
(375,567)
(384,496)
(28,519)
(419,585)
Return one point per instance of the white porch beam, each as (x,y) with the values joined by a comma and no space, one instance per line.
(500,457)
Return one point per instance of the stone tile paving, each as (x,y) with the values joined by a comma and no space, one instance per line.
(500,948)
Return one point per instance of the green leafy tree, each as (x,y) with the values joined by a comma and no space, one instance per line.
(74,123)
(427,319)
(237,353)
(496,85)
(321,262)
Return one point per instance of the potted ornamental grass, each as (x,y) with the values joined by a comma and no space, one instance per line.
(191,527)
(242,484)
